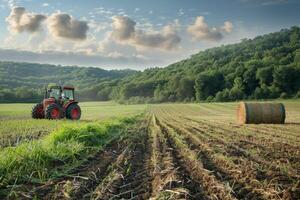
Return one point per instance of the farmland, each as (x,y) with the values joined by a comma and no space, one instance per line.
(163,151)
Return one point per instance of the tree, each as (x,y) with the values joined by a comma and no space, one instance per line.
(295,35)
(208,84)
(185,89)
(265,75)
(237,92)
(223,96)
(287,79)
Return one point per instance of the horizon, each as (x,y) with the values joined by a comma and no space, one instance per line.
(130,34)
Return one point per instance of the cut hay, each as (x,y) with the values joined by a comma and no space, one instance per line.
(260,113)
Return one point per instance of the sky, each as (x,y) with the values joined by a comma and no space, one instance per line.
(135,34)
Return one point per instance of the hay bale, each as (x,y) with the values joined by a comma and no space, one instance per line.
(260,113)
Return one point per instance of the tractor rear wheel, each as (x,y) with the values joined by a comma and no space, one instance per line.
(54,111)
(73,112)
(37,111)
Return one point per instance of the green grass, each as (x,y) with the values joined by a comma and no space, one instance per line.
(56,152)
(16,124)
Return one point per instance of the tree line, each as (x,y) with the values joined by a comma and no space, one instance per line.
(265,67)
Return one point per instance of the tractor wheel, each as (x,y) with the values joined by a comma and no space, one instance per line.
(73,112)
(54,111)
(37,111)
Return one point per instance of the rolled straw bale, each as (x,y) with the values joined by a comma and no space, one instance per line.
(260,113)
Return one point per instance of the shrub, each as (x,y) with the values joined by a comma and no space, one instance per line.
(223,96)
(283,95)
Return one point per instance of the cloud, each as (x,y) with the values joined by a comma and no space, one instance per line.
(19,20)
(45,4)
(123,28)
(63,25)
(201,31)
(265,2)
(113,61)
(124,31)
(227,27)
(11,3)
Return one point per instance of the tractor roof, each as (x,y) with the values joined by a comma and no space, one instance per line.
(61,87)
(68,88)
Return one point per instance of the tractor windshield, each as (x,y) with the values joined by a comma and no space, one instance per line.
(68,94)
(55,93)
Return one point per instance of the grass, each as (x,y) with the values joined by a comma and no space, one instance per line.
(41,159)
(37,150)
(16,124)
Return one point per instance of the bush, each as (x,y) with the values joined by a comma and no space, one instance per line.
(297,95)
(283,95)
(210,99)
(223,96)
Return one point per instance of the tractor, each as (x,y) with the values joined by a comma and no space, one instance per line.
(59,102)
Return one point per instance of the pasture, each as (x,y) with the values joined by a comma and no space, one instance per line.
(162,151)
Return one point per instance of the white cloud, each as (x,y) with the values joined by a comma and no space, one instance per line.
(227,27)
(124,31)
(45,4)
(19,20)
(202,32)
(63,25)
(11,3)
(180,12)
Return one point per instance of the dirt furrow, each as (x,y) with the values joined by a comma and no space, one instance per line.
(266,146)
(268,169)
(131,179)
(243,176)
(171,180)
(211,186)
(79,183)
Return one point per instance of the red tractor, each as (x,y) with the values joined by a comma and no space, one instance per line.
(59,102)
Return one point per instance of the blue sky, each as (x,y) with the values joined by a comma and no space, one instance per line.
(132,33)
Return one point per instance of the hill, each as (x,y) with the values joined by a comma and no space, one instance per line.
(21,82)
(265,67)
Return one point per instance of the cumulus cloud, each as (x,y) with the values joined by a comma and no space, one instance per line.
(201,31)
(123,28)
(124,31)
(19,20)
(227,27)
(63,25)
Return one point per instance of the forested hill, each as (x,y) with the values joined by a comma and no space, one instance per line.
(265,67)
(21,82)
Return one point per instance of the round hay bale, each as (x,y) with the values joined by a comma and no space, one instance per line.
(260,113)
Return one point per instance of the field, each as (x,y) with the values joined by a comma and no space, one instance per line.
(163,151)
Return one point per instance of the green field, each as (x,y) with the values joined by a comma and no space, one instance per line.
(159,151)
(16,123)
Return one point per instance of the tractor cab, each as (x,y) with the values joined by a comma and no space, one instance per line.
(59,102)
(60,94)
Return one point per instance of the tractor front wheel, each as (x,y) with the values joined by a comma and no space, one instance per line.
(54,111)
(73,112)
(38,111)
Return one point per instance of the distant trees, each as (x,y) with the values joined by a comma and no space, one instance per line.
(24,82)
(265,67)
